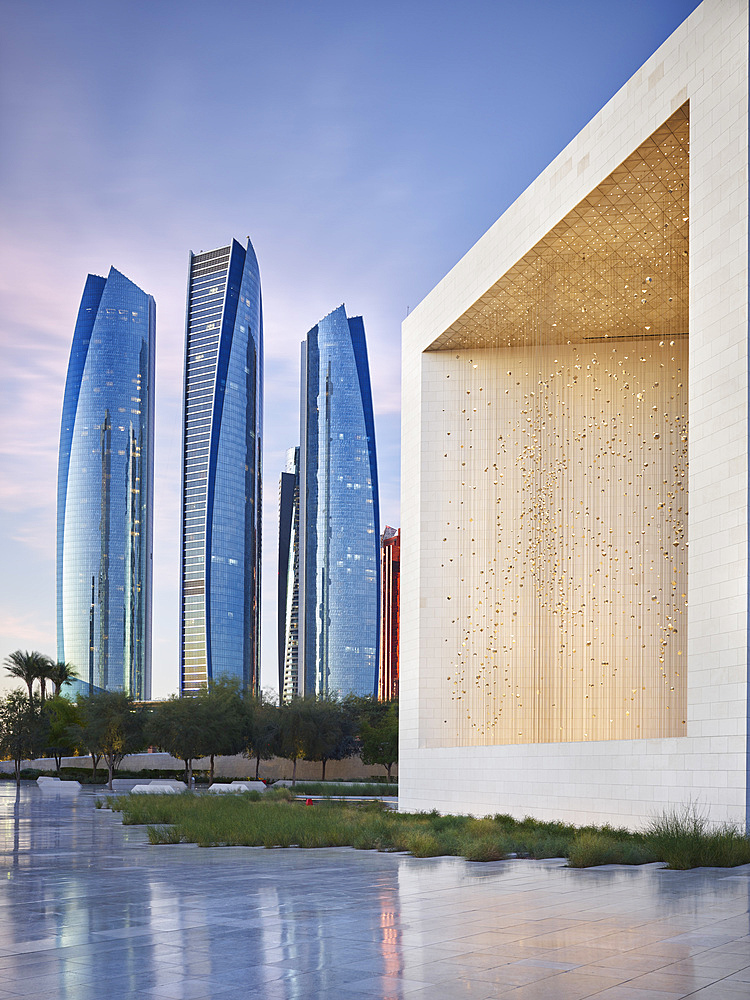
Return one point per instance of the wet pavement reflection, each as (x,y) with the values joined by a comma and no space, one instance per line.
(91,910)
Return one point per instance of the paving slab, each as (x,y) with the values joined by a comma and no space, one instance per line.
(90,909)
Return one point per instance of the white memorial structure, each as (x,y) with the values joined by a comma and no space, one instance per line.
(574,612)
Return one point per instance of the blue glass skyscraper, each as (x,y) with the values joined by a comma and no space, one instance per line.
(221,461)
(339,592)
(105,490)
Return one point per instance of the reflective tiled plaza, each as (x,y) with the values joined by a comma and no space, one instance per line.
(90,910)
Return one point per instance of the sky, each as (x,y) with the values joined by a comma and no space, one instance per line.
(363,147)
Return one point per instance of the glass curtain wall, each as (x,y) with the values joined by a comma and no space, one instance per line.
(221,483)
(339,514)
(105,490)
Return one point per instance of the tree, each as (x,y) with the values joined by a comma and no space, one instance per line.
(223,712)
(262,730)
(316,729)
(111,726)
(63,727)
(43,676)
(61,673)
(294,731)
(28,666)
(22,730)
(178,726)
(379,737)
(331,731)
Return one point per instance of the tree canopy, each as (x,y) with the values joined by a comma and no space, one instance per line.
(222,709)
(379,736)
(63,723)
(22,730)
(221,720)
(29,666)
(262,731)
(110,726)
(61,673)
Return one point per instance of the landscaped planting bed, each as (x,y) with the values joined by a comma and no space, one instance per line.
(275,819)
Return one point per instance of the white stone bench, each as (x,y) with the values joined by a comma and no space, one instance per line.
(155,790)
(127,784)
(57,787)
(219,787)
(251,786)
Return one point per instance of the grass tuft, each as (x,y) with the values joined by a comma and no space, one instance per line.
(163,835)
(280,794)
(484,848)
(686,839)
(591,848)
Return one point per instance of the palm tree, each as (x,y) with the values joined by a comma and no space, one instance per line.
(61,673)
(43,676)
(28,667)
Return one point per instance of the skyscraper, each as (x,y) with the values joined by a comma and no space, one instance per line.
(390,590)
(288,584)
(105,490)
(339,595)
(221,461)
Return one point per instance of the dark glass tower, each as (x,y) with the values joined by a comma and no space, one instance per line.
(105,490)
(288,584)
(221,461)
(339,592)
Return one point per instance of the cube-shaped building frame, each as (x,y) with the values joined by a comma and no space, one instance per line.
(571,647)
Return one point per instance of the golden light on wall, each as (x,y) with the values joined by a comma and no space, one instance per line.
(563,471)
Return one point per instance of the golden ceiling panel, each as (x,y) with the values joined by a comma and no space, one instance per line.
(616,266)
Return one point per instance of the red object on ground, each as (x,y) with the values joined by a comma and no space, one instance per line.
(309,802)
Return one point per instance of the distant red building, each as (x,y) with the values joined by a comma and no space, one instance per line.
(390,576)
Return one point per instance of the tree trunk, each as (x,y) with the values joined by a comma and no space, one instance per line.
(95,758)
(111,770)
(294,772)
(388,771)
(257,767)
(43,689)
(18,773)
(324,769)
(58,763)
(30,686)
(211,772)
(190,773)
